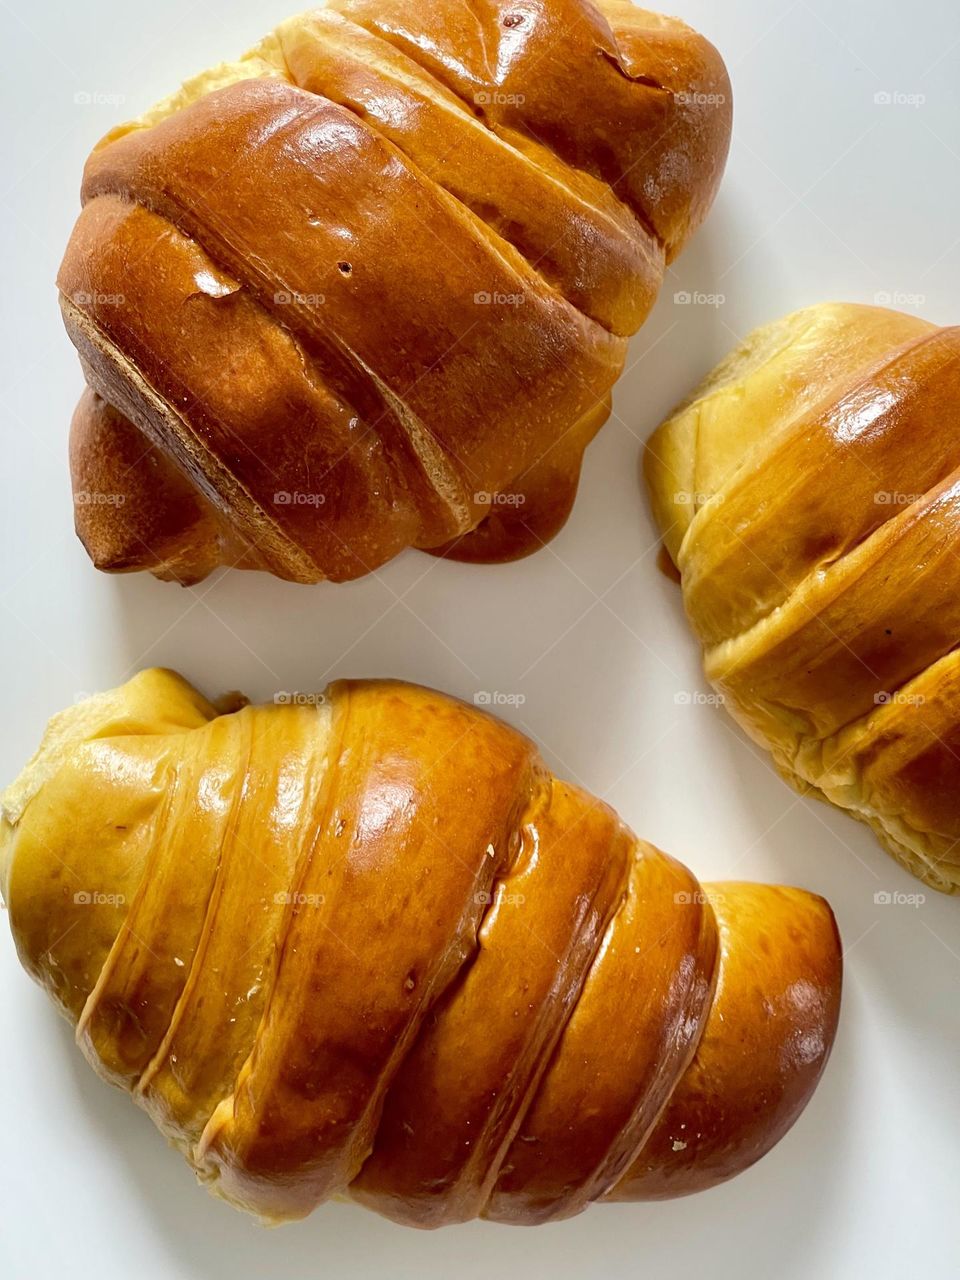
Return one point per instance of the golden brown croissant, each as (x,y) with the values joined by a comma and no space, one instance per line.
(366,943)
(370,286)
(809,494)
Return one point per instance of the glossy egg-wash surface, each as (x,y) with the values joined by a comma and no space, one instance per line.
(352,288)
(818,561)
(369,945)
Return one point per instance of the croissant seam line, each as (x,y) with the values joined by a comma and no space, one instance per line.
(756,459)
(536,795)
(324,801)
(158,819)
(494,237)
(690,1052)
(214,899)
(638,213)
(895,687)
(537,789)
(616,1161)
(550,1045)
(808,742)
(478,119)
(288,554)
(287,76)
(190,221)
(842,581)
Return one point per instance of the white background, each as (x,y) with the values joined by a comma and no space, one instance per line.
(828,196)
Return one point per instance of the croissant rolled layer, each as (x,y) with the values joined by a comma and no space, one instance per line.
(370,286)
(809,493)
(365,943)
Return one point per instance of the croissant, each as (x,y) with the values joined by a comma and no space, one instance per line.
(370,286)
(809,494)
(364,943)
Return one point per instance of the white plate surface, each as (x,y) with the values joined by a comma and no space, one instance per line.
(830,194)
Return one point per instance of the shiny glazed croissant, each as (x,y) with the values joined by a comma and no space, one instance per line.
(809,493)
(366,944)
(370,286)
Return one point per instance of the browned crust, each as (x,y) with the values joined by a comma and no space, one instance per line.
(364,943)
(302,244)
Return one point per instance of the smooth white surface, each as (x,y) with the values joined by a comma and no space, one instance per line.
(828,195)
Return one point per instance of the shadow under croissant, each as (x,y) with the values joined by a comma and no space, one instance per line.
(758,1215)
(752,1074)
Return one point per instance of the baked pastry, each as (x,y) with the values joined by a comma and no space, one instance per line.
(365,943)
(370,286)
(809,494)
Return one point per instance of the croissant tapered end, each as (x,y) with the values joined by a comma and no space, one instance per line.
(133,508)
(412,339)
(363,942)
(767,1038)
(809,492)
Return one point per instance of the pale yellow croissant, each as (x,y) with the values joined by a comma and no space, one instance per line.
(365,943)
(809,492)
